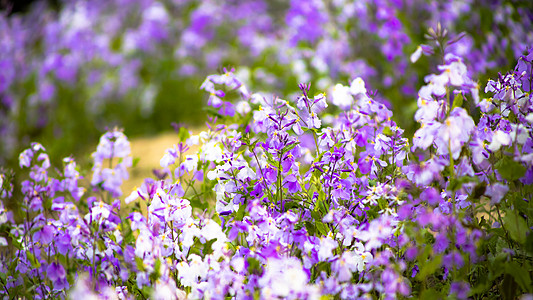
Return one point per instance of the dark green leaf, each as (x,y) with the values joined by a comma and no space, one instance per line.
(322,228)
(430,267)
(254,266)
(430,294)
(509,287)
(510,169)
(310,228)
(208,247)
(520,274)
(529,243)
(34,262)
(457,183)
(155,274)
(516,225)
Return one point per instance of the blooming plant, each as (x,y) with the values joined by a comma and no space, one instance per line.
(123,62)
(301,198)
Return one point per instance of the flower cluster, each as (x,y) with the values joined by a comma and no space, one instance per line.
(136,55)
(314,196)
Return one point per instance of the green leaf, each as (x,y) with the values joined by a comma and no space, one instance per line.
(430,294)
(34,262)
(516,225)
(387,131)
(135,161)
(520,274)
(208,246)
(14,241)
(183,134)
(128,237)
(322,228)
(240,213)
(101,245)
(457,101)
(290,147)
(62,259)
(430,267)
(457,183)
(529,243)
(310,228)
(522,206)
(140,264)
(254,266)
(510,169)
(323,267)
(508,287)
(112,237)
(155,274)
(47,203)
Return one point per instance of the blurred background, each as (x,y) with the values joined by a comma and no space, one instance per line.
(71,69)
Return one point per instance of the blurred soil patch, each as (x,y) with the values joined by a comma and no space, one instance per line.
(149,151)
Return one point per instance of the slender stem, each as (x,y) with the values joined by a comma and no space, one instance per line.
(280,187)
(501,224)
(34,256)
(262,175)
(316,143)
(94,261)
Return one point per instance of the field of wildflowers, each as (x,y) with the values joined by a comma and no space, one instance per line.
(305,185)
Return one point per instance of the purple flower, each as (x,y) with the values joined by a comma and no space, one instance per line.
(56,273)
(63,243)
(425,136)
(45,235)
(426,172)
(496,191)
(441,242)
(411,253)
(454,133)
(431,196)
(291,182)
(453,259)
(113,144)
(393,284)
(306,19)
(459,289)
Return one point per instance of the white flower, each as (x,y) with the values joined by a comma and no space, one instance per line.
(498,139)
(416,55)
(156,12)
(327,245)
(283,277)
(246,173)
(190,163)
(361,259)
(189,272)
(212,230)
(144,243)
(529,118)
(357,87)
(242,107)
(169,158)
(341,96)
(211,151)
